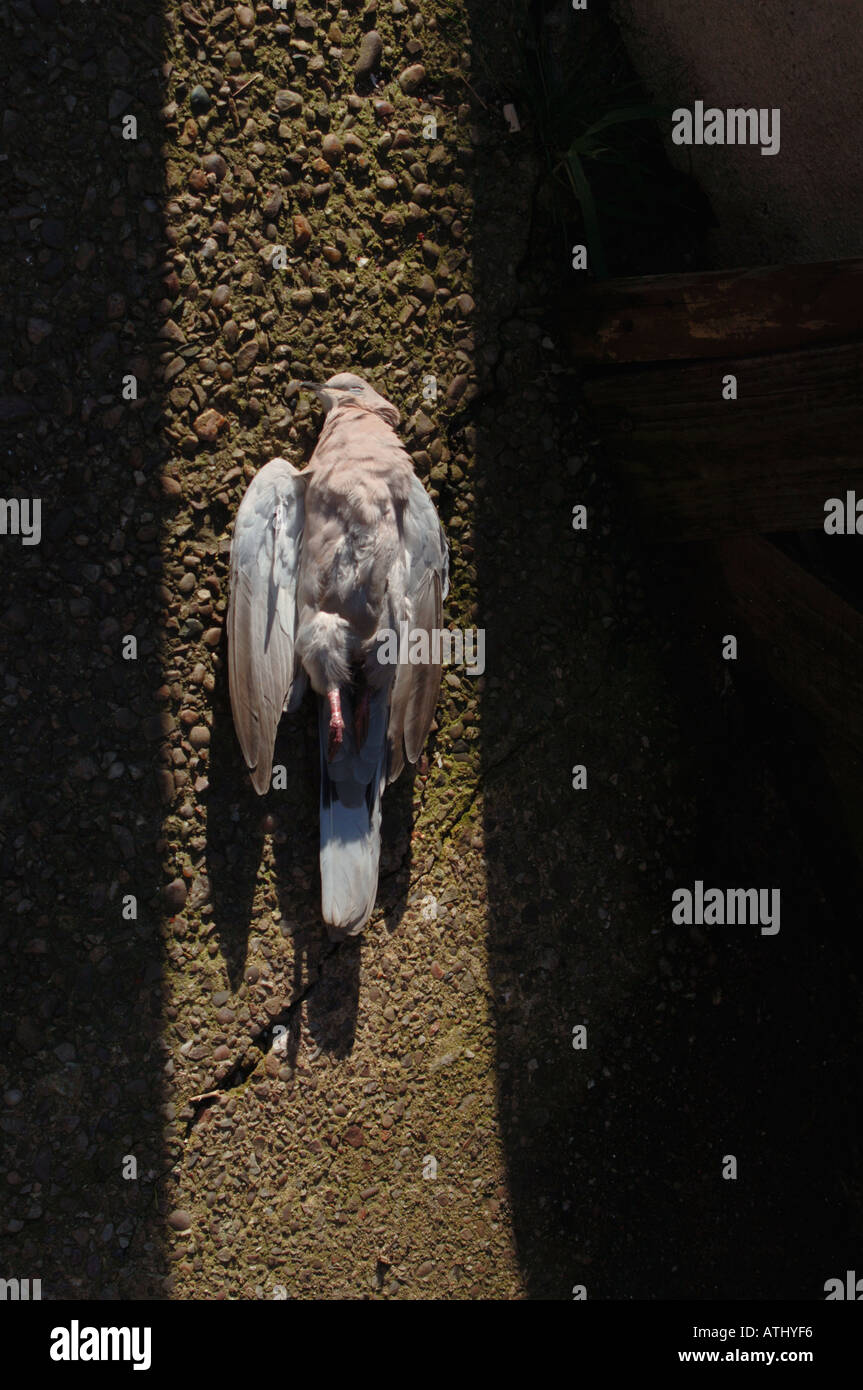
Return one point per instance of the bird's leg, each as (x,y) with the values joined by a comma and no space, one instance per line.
(337,724)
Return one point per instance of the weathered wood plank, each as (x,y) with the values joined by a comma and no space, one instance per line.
(807,639)
(700,466)
(724,313)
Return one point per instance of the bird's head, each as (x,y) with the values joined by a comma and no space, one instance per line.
(346,389)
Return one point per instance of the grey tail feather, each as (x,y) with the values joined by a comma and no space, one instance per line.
(351,789)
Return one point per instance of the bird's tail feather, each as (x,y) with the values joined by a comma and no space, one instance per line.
(351,789)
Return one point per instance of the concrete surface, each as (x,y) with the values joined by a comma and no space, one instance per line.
(805,203)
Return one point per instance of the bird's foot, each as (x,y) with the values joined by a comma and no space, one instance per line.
(337,725)
(361,718)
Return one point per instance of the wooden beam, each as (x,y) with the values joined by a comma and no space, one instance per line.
(723,313)
(700,466)
(805,637)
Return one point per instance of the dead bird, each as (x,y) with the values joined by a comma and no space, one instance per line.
(327,565)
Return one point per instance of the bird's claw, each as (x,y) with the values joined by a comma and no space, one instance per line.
(336,738)
(337,725)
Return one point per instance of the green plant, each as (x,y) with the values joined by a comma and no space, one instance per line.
(591,147)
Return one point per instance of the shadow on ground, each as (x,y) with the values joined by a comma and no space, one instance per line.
(81,985)
(704,1042)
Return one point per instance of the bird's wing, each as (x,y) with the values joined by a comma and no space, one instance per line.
(265,553)
(415,689)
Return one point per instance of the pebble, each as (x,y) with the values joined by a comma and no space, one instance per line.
(208,425)
(200,100)
(302,232)
(412,78)
(247,356)
(175,894)
(289,102)
(215,164)
(371,49)
(422,425)
(179,1220)
(171,332)
(333,149)
(159,726)
(245,16)
(456,389)
(38,330)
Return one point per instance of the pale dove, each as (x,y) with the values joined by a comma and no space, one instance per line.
(324,564)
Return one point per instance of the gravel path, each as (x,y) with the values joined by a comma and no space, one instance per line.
(202,1097)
